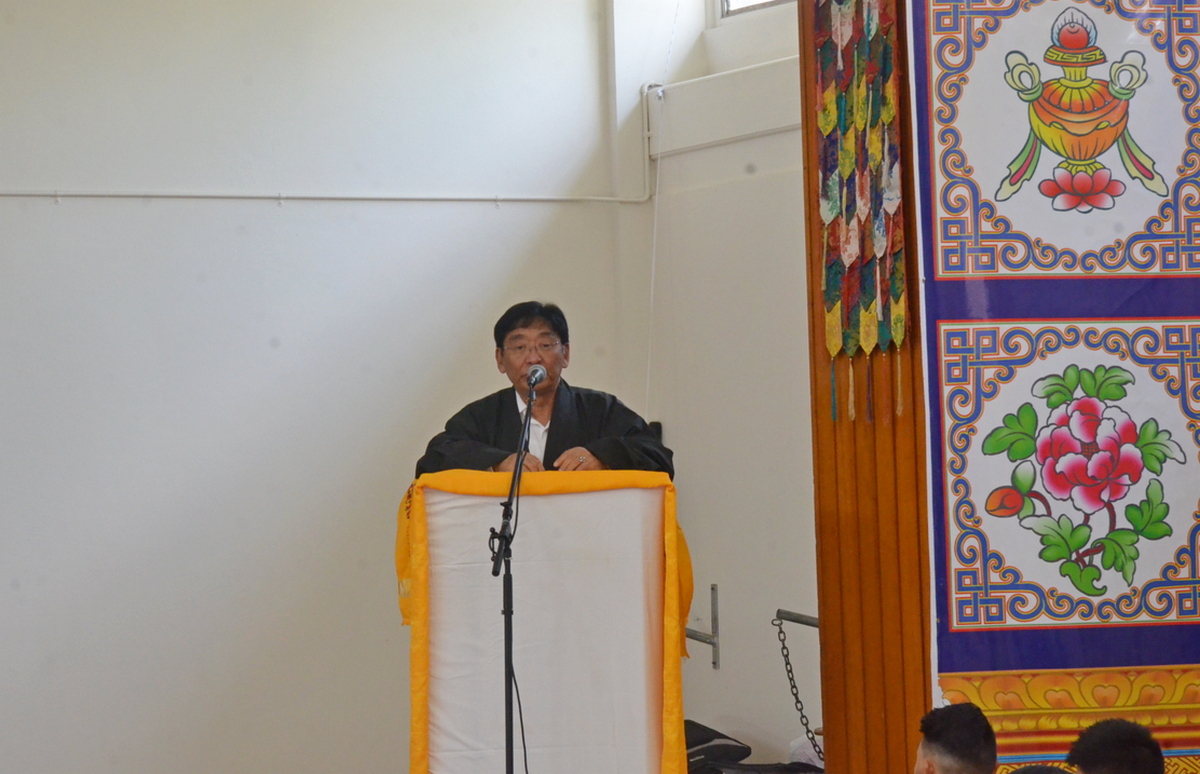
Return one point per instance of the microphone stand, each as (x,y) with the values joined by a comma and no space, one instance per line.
(501,544)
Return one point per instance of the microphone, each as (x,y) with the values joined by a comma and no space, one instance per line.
(536,375)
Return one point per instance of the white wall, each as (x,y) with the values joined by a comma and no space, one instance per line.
(731,385)
(211,407)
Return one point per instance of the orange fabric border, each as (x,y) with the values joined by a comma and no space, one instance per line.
(412,571)
(1042,711)
(412,554)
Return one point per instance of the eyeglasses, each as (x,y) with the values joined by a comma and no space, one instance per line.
(543,348)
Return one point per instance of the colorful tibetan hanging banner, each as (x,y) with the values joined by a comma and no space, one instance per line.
(859,152)
(1058,173)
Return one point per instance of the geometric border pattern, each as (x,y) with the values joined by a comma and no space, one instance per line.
(976,360)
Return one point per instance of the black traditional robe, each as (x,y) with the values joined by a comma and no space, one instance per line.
(485,432)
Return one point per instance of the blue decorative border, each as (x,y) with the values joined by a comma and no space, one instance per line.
(977,360)
(970,239)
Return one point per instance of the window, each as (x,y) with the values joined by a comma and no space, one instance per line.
(731,7)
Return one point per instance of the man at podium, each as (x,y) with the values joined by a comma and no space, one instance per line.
(572,429)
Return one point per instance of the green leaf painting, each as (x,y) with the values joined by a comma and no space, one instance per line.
(1015,436)
(1083,577)
(1149,517)
(1157,447)
(1057,390)
(1105,383)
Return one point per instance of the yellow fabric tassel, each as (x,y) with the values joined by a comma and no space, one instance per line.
(898,318)
(850,402)
(868,328)
(833,329)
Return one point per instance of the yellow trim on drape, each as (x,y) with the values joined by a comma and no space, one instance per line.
(412,571)
(677,599)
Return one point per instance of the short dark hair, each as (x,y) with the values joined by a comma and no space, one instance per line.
(1116,746)
(961,736)
(524,314)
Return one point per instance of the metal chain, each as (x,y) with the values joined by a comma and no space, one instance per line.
(791,676)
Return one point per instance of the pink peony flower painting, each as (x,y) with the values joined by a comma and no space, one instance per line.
(1088,455)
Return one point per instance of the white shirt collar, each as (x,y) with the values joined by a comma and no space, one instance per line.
(537,431)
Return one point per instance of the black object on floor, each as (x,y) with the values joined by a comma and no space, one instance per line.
(706,748)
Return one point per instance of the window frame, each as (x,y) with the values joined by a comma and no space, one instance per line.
(723,11)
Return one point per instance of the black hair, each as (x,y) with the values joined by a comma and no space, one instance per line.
(1038,768)
(527,313)
(1116,746)
(961,736)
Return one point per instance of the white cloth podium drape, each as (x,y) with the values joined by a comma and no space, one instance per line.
(596,631)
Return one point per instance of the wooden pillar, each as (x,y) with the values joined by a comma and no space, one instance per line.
(871,519)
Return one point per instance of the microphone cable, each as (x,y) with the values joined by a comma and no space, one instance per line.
(521,718)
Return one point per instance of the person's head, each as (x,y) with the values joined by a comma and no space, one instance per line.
(958,739)
(529,334)
(1116,746)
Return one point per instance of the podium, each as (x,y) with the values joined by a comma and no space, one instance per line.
(602,583)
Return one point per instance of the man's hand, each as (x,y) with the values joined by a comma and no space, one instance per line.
(579,458)
(532,464)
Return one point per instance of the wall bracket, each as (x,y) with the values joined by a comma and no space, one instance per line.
(713,639)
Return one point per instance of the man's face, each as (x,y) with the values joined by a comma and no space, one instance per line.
(527,347)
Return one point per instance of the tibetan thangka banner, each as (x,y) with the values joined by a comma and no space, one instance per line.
(858,117)
(1058,156)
